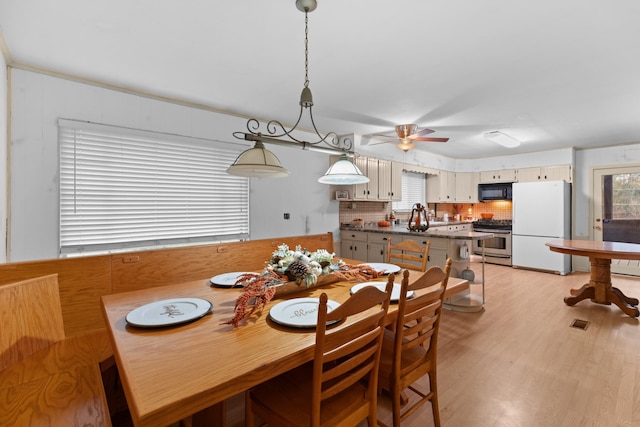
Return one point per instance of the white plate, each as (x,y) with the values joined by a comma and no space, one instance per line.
(299,312)
(168,312)
(383,268)
(227,280)
(395,292)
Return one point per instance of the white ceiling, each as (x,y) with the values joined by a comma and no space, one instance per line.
(551,73)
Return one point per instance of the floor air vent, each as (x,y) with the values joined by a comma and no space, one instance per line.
(580,324)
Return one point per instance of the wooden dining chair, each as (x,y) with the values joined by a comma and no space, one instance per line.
(30,318)
(408,254)
(409,351)
(339,388)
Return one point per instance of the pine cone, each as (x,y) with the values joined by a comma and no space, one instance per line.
(297,270)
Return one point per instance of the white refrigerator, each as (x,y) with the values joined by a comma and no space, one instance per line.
(541,212)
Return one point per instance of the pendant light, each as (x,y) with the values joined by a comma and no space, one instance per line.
(343,172)
(274,132)
(257,162)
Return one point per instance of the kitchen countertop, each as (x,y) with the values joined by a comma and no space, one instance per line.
(438,231)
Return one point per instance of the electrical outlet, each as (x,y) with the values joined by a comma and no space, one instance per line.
(287,215)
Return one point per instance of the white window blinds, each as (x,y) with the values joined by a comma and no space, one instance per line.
(122,188)
(413,190)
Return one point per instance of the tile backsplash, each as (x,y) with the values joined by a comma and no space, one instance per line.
(378,211)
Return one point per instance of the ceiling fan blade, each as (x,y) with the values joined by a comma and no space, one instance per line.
(423,132)
(381,142)
(431,139)
(379,135)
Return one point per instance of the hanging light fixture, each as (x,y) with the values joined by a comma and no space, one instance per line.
(275,132)
(257,162)
(343,172)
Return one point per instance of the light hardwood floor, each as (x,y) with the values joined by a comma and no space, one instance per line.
(519,363)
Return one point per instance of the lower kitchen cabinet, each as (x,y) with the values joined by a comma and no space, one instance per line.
(377,247)
(353,245)
(372,247)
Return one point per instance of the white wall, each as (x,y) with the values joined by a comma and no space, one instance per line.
(4,143)
(38,101)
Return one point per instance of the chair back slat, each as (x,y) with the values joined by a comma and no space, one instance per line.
(408,254)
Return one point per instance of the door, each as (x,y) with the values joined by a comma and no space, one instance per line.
(616,211)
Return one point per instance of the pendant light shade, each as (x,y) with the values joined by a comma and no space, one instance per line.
(343,172)
(257,162)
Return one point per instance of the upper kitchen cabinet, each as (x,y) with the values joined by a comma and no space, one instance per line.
(545,173)
(385,180)
(396,181)
(467,187)
(441,188)
(369,167)
(504,175)
(389,180)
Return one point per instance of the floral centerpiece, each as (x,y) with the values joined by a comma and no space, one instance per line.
(300,266)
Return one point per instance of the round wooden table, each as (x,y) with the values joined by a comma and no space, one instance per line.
(599,288)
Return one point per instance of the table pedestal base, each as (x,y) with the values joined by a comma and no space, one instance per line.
(600,291)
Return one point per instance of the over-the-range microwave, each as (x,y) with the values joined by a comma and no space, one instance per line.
(497,191)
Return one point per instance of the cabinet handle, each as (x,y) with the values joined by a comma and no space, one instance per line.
(381,252)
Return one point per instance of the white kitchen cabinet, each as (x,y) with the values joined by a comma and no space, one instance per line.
(396,181)
(384,180)
(545,173)
(377,247)
(504,175)
(361,191)
(353,244)
(467,187)
(441,188)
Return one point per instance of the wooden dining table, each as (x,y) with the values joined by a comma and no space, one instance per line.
(189,370)
(599,288)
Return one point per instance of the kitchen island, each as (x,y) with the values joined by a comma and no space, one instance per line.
(448,240)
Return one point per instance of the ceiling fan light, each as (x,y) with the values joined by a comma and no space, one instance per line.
(502,139)
(343,172)
(406,145)
(257,162)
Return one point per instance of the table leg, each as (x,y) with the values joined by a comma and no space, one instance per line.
(600,291)
(625,303)
(586,291)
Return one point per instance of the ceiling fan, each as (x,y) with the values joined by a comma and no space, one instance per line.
(408,134)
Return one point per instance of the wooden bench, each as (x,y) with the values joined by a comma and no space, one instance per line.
(45,378)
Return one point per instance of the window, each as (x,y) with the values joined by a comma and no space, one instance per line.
(413,191)
(123,188)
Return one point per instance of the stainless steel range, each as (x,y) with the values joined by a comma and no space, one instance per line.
(497,250)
